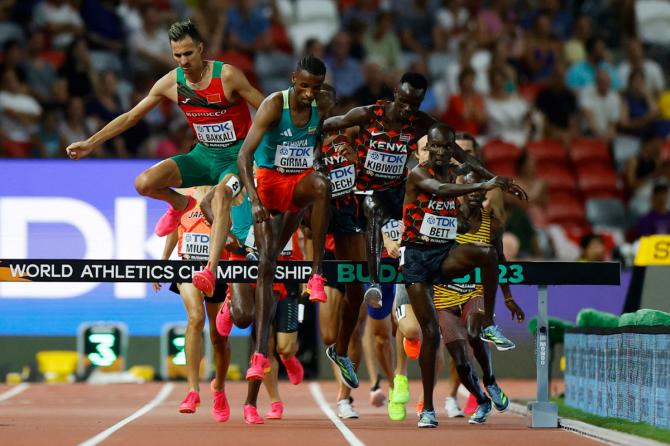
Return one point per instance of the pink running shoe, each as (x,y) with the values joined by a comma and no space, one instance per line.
(471,405)
(221,410)
(190,403)
(170,220)
(276,411)
(251,414)
(315,288)
(260,365)
(294,369)
(224,321)
(204,281)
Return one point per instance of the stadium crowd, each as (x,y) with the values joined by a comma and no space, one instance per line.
(567,96)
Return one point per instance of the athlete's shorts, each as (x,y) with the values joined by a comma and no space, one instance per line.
(276,287)
(207,166)
(424,264)
(388,294)
(287,312)
(276,189)
(454,320)
(392,199)
(220,291)
(345,216)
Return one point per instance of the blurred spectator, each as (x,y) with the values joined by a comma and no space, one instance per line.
(19,118)
(211,16)
(491,22)
(13,59)
(382,43)
(345,70)
(639,112)
(178,140)
(466,111)
(653,74)
(104,107)
(430,102)
(521,227)
(416,20)
(59,98)
(558,106)
(9,30)
(500,62)
(537,189)
(657,221)
(50,143)
(77,69)
(560,18)
(277,39)
(575,47)
(314,47)
(246,24)
(467,52)
(644,166)
(60,19)
(104,29)
(40,74)
(601,106)
(374,87)
(511,246)
(583,74)
(452,21)
(508,113)
(542,50)
(150,45)
(75,126)
(363,13)
(593,249)
(274,61)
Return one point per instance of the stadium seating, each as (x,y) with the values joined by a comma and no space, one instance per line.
(601,182)
(496,151)
(546,150)
(583,151)
(607,212)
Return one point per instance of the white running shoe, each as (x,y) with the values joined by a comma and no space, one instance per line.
(452,408)
(345,410)
(377,397)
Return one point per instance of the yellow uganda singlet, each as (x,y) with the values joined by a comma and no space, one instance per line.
(456,294)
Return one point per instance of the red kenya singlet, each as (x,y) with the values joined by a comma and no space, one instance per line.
(430,220)
(383,154)
(341,171)
(216,122)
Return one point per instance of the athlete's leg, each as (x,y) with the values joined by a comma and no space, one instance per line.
(422,302)
(480,350)
(271,380)
(459,354)
(329,315)
(314,189)
(157,182)
(349,247)
(375,214)
(221,202)
(220,346)
(355,352)
(242,304)
(195,312)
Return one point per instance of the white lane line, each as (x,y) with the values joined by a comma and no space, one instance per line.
(164,392)
(315,390)
(13,391)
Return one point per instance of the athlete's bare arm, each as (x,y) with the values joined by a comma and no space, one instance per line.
(234,80)
(164,88)
(420,179)
(267,117)
(357,116)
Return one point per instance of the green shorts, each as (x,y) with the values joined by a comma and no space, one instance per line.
(206,166)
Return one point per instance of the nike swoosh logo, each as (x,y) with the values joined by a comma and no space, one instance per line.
(376,133)
(185,100)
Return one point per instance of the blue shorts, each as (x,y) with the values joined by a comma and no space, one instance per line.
(388,295)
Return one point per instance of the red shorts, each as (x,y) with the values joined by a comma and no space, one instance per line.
(275,189)
(276,287)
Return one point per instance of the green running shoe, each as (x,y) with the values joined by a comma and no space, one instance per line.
(492,334)
(345,367)
(400,389)
(397,411)
(500,400)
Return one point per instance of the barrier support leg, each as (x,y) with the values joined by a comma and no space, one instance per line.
(543,412)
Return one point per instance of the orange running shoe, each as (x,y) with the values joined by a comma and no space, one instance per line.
(260,365)
(315,288)
(419,408)
(190,403)
(276,411)
(204,281)
(412,347)
(251,414)
(294,369)
(169,221)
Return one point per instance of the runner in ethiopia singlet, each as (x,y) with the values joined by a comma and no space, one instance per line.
(219,127)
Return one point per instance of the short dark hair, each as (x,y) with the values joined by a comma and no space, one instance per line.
(465,72)
(312,64)
(588,238)
(441,126)
(185,28)
(468,137)
(416,80)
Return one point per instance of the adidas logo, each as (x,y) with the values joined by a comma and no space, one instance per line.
(286,132)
